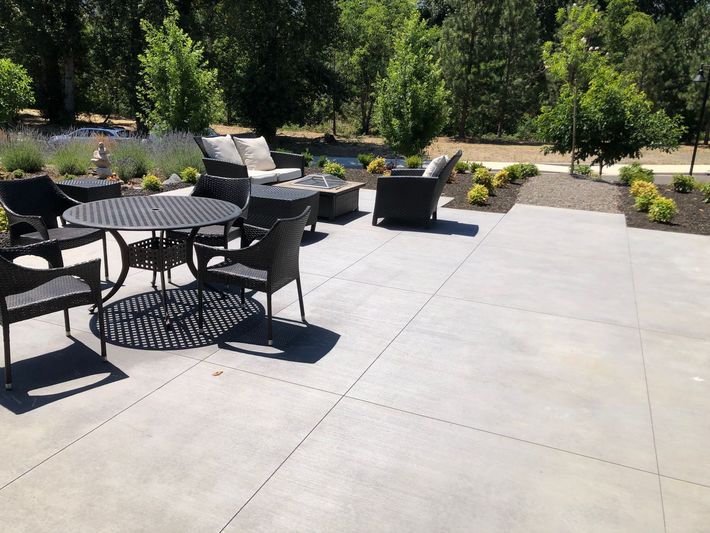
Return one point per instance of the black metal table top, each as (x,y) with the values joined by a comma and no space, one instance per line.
(152,213)
(86,183)
(280,193)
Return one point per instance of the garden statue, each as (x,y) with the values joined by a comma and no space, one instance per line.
(102,162)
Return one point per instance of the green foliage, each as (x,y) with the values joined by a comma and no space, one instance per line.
(582,170)
(635,172)
(307,157)
(322,160)
(478,195)
(614,120)
(411,100)
(172,153)
(520,171)
(640,187)
(335,169)
(529,170)
(151,182)
(662,210)
(131,160)
(377,166)
(483,176)
(461,166)
(3,221)
(501,179)
(73,157)
(25,155)
(178,92)
(18,173)
(473,166)
(189,175)
(705,191)
(15,89)
(413,161)
(69,177)
(644,200)
(683,183)
(365,159)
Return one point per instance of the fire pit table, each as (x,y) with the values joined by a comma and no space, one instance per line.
(156,214)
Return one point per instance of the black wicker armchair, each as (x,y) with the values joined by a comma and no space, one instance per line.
(28,293)
(33,206)
(236,191)
(267,266)
(281,159)
(407,195)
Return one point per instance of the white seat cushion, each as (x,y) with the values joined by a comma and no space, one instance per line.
(436,166)
(288,174)
(255,153)
(262,177)
(222,148)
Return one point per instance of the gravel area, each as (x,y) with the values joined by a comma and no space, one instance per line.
(558,190)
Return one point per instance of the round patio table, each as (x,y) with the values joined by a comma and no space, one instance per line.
(155,214)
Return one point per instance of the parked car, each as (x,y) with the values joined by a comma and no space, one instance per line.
(117,133)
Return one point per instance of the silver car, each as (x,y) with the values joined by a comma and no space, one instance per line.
(87,133)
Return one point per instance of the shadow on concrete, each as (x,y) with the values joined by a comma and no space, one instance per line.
(44,379)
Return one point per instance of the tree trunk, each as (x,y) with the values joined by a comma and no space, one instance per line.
(69,106)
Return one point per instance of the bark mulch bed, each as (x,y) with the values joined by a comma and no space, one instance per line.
(693,214)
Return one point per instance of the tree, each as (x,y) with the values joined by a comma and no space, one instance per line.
(15,90)
(369,29)
(411,100)
(278,54)
(178,91)
(615,120)
(574,57)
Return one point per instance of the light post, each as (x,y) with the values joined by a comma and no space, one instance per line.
(701,77)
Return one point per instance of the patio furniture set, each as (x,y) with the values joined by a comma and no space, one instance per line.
(229,201)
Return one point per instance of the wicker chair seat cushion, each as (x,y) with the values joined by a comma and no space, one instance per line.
(66,235)
(250,277)
(54,295)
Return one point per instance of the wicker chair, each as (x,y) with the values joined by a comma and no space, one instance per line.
(33,206)
(28,293)
(267,266)
(236,191)
(407,195)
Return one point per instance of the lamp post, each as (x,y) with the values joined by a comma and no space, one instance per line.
(701,77)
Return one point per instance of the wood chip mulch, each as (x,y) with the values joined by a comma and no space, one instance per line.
(693,214)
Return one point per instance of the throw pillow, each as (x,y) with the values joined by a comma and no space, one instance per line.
(255,153)
(436,166)
(222,148)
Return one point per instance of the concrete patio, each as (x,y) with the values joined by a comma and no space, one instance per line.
(545,370)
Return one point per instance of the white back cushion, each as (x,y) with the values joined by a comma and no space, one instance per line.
(222,148)
(436,166)
(255,153)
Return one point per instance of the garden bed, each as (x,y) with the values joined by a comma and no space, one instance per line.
(693,214)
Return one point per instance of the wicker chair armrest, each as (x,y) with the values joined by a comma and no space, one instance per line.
(225,169)
(288,160)
(35,221)
(48,250)
(408,171)
(25,277)
(252,256)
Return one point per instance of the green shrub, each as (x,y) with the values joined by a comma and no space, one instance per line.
(483,176)
(639,187)
(478,195)
(413,161)
(131,160)
(189,175)
(18,173)
(460,167)
(3,221)
(521,171)
(634,172)
(582,170)
(15,90)
(322,160)
(307,157)
(705,190)
(473,166)
(501,179)
(529,170)
(151,182)
(24,155)
(68,177)
(73,157)
(644,200)
(377,166)
(662,210)
(172,153)
(683,183)
(365,159)
(335,169)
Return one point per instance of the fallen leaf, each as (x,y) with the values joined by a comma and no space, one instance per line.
(217,373)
